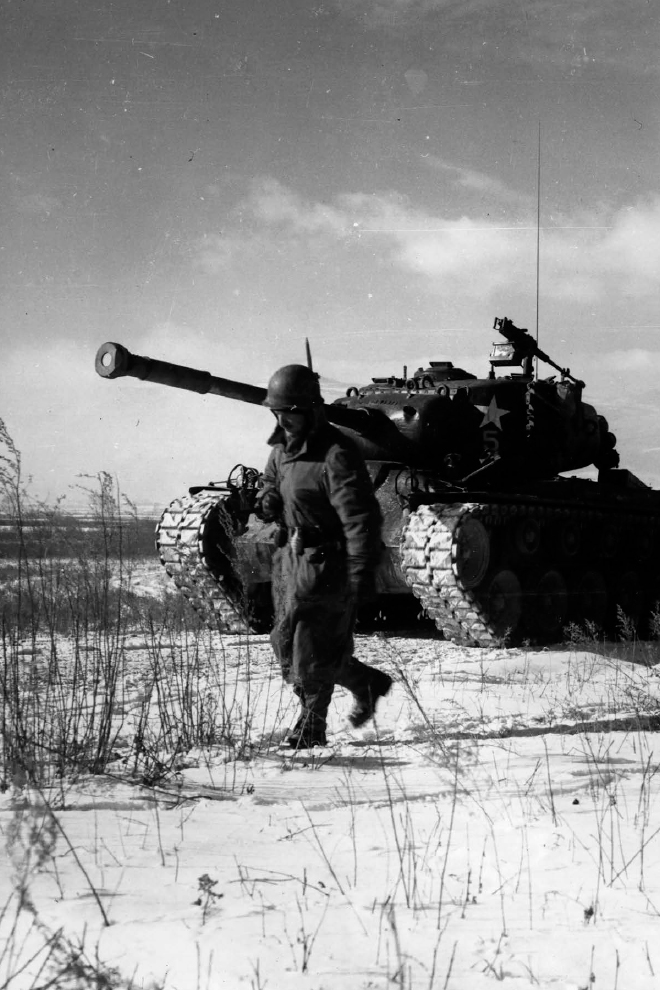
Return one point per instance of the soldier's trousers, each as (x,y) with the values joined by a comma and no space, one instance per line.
(313,632)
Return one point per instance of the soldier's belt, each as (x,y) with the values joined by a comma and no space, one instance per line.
(303,537)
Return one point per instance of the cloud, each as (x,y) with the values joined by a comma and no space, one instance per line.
(581,261)
(622,251)
(633,245)
(275,204)
(270,207)
(623,385)
(477,182)
(387,225)
(576,38)
(390,13)
(216,252)
(590,36)
(635,360)
(438,248)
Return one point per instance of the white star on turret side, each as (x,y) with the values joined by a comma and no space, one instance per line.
(492,414)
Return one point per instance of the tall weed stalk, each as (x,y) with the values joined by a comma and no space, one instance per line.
(67,606)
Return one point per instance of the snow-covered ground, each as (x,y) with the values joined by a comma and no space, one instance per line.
(499,825)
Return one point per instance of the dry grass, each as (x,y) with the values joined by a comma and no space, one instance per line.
(73,701)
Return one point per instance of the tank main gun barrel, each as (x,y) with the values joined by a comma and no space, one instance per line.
(116,361)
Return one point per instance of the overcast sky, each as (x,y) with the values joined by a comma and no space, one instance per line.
(212,181)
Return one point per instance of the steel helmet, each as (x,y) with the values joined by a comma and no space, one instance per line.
(293,387)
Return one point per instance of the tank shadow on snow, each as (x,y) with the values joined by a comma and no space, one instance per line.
(482,534)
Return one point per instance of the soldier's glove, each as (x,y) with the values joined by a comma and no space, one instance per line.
(270,506)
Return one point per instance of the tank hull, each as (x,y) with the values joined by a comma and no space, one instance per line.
(486,567)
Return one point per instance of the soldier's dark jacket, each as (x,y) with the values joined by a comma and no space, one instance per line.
(318,575)
(327,492)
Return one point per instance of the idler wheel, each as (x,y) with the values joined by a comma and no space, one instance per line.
(527,537)
(471,552)
(548,603)
(589,598)
(501,600)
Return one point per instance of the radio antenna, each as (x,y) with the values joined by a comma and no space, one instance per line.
(308,354)
(538,239)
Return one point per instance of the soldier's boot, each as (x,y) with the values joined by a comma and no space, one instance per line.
(310,730)
(304,714)
(367,685)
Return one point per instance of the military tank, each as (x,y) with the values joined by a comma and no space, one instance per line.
(483,531)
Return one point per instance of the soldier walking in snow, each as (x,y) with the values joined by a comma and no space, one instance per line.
(316,485)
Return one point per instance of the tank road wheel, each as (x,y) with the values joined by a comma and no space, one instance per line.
(527,537)
(501,598)
(471,553)
(589,598)
(547,607)
(645,545)
(568,539)
(609,541)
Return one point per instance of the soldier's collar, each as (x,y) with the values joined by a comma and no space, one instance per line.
(278,437)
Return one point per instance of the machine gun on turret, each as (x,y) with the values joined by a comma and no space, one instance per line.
(521,349)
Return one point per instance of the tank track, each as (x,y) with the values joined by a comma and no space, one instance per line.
(488,573)
(194,543)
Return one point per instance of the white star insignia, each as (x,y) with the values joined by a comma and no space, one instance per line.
(492,414)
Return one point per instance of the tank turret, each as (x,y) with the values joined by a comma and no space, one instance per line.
(442,420)
(480,524)
(513,427)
